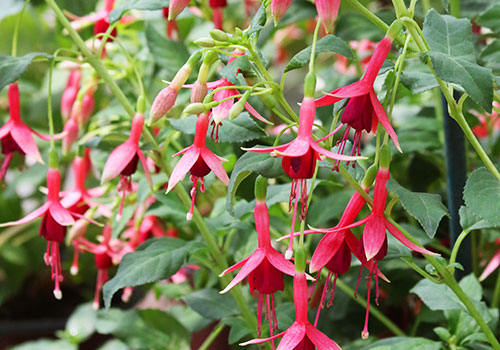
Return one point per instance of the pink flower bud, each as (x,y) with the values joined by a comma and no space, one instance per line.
(162,103)
(198,92)
(88,104)
(327,12)
(70,93)
(279,8)
(71,129)
(175,7)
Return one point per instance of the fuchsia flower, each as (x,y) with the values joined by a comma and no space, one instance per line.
(279,8)
(17,136)
(175,7)
(70,92)
(123,160)
(198,160)
(301,335)
(99,18)
(299,160)
(172,29)
(218,12)
(493,264)
(103,258)
(363,49)
(55,220)
(327,12)
(264,268)
(363,111)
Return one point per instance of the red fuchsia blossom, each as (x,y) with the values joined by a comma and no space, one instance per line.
(175,7)
(70,92)
(172,29)
(264,268)
(327,12)
(363,111)
(279,8)
(17,136)
(299,160)
(487,122)
(103,258)
(198,160)
(55,220)
(493,264)
(218,12)
(301,335)
(99,18)
(123,160)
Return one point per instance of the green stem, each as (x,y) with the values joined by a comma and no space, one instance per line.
(456,247)
(16,29)
(455,8)
(352,181)
(313,48)
(373,311)
(49,107)
(496,293)
(179,190)
(419,270)
(211,338)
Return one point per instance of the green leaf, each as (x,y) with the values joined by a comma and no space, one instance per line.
(169,54)
(329,43)
(258,20)
(164,322)
(10,7)
(239,329)
(404,343)
(427,208)
(470,221)
(453,56)
(490,55)
(241,129)
(81,324)
(11,68)
(436,296)
(489,18)
(472,287)
(212,305)
(154,260)
(418,82)
(44,344)
(260,163)
(482,195)
(114,344)
(230,71)
(117,13)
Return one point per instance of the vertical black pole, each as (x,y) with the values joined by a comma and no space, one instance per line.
(455,177)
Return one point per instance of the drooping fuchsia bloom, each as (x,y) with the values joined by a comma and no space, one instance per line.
(264,267)
(172,29)
(218,12)
(279,8)
(363,111)
(123,160)
(493,264)
(299,160)
(79,198)
(327,12)
(99,18)
(198,160)
(301,335)
(175,7)
(70,92)
(55,220)
(103,258)
(17,136)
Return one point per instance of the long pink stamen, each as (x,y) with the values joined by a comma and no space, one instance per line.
(376,282)
(365,334)
(46,256)
(270,319)
(273,309)
(194,179)
(289,251)
(102,277)
(5,165)
(74,266)
(322,301)
(259,315)
(357,282)
(127,293)
(303,199)
(56,264)
(332,295)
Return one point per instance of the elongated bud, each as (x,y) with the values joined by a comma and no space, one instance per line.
(394,29)
(260,188)
(71,129)
(88,104)
(300,260)
(175,7)
(53,159)
(210,57)
(199,91)
(194,108)
(194,58)
(236,109)
(162,104)
(327,12)
(369,177)
(310,85)
(385,157)
(279,8)
(205,42)
(77,230)
(219,35)
(70,93)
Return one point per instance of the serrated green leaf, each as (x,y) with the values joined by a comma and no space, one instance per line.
(212,305)
(427,208)
(453,56)
(117,13)
(472,287)
(418,82)
(258,20)
(241,129)
(482,195)
(436,296)
(404,343)
(169,54)
(470,221)
(239,329)
(329,43)
(11,68)
(260,163)
(154,260)
(164,322)
(489,18)
(230,71)
(491,55)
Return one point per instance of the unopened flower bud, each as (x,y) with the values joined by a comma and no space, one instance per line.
(205,42)
(369,177)
(71,129)
(327,12)
(279,8)
(385,157)
(219,35)
(162,103)
(260,188)
(78,230)
(175,7)
(199,91)
(236,109)
(88,104)
(195,108)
